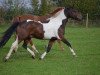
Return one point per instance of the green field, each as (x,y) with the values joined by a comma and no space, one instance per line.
(86,43)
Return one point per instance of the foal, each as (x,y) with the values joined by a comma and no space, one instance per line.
(52,30)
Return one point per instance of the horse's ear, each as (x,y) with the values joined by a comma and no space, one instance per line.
(70,6)
(67,7)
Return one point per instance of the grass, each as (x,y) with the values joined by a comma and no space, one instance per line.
(86,43)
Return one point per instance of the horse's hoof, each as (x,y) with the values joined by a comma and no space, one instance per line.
(40,58)
(75,56)
(5,60)
(33,57)
(14,51)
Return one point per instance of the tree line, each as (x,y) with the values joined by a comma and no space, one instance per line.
(12,8)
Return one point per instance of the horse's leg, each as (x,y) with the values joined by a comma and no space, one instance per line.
(33,46)
(14,46)
(69,45)
(29,50)
(48,48)
(60,45)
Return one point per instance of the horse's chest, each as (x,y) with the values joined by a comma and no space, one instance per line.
(51,29)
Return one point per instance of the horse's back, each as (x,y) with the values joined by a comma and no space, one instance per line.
(23,18)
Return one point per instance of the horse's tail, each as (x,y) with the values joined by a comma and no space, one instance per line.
(8,33)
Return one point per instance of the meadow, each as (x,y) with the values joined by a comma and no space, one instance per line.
(85,41)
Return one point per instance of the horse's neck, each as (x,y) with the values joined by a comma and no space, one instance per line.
(59,15)
(62,17)
(43,18)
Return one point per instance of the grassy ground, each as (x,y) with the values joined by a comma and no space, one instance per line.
(86,43)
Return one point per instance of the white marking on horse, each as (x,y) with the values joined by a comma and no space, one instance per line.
(34,48)
(43,55)
(14,46)
(51,28)
(32,53)
(29,20)
(74,54)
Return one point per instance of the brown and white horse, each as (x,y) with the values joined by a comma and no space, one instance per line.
(36,18)
(53,29)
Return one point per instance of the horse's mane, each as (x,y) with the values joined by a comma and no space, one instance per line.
(56,10)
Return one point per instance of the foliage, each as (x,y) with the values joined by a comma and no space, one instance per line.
(11,8)
(35,7)
(45,7)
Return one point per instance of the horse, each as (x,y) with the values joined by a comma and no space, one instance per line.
(52,30)
(36,18)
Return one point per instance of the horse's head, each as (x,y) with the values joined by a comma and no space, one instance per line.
(73,13)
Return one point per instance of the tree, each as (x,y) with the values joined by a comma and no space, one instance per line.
(13,8)
(35,6)
(45,7)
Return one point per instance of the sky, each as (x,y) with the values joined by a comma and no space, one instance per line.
(0,2)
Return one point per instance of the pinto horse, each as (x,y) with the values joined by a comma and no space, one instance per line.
(37,18)
(52,30)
